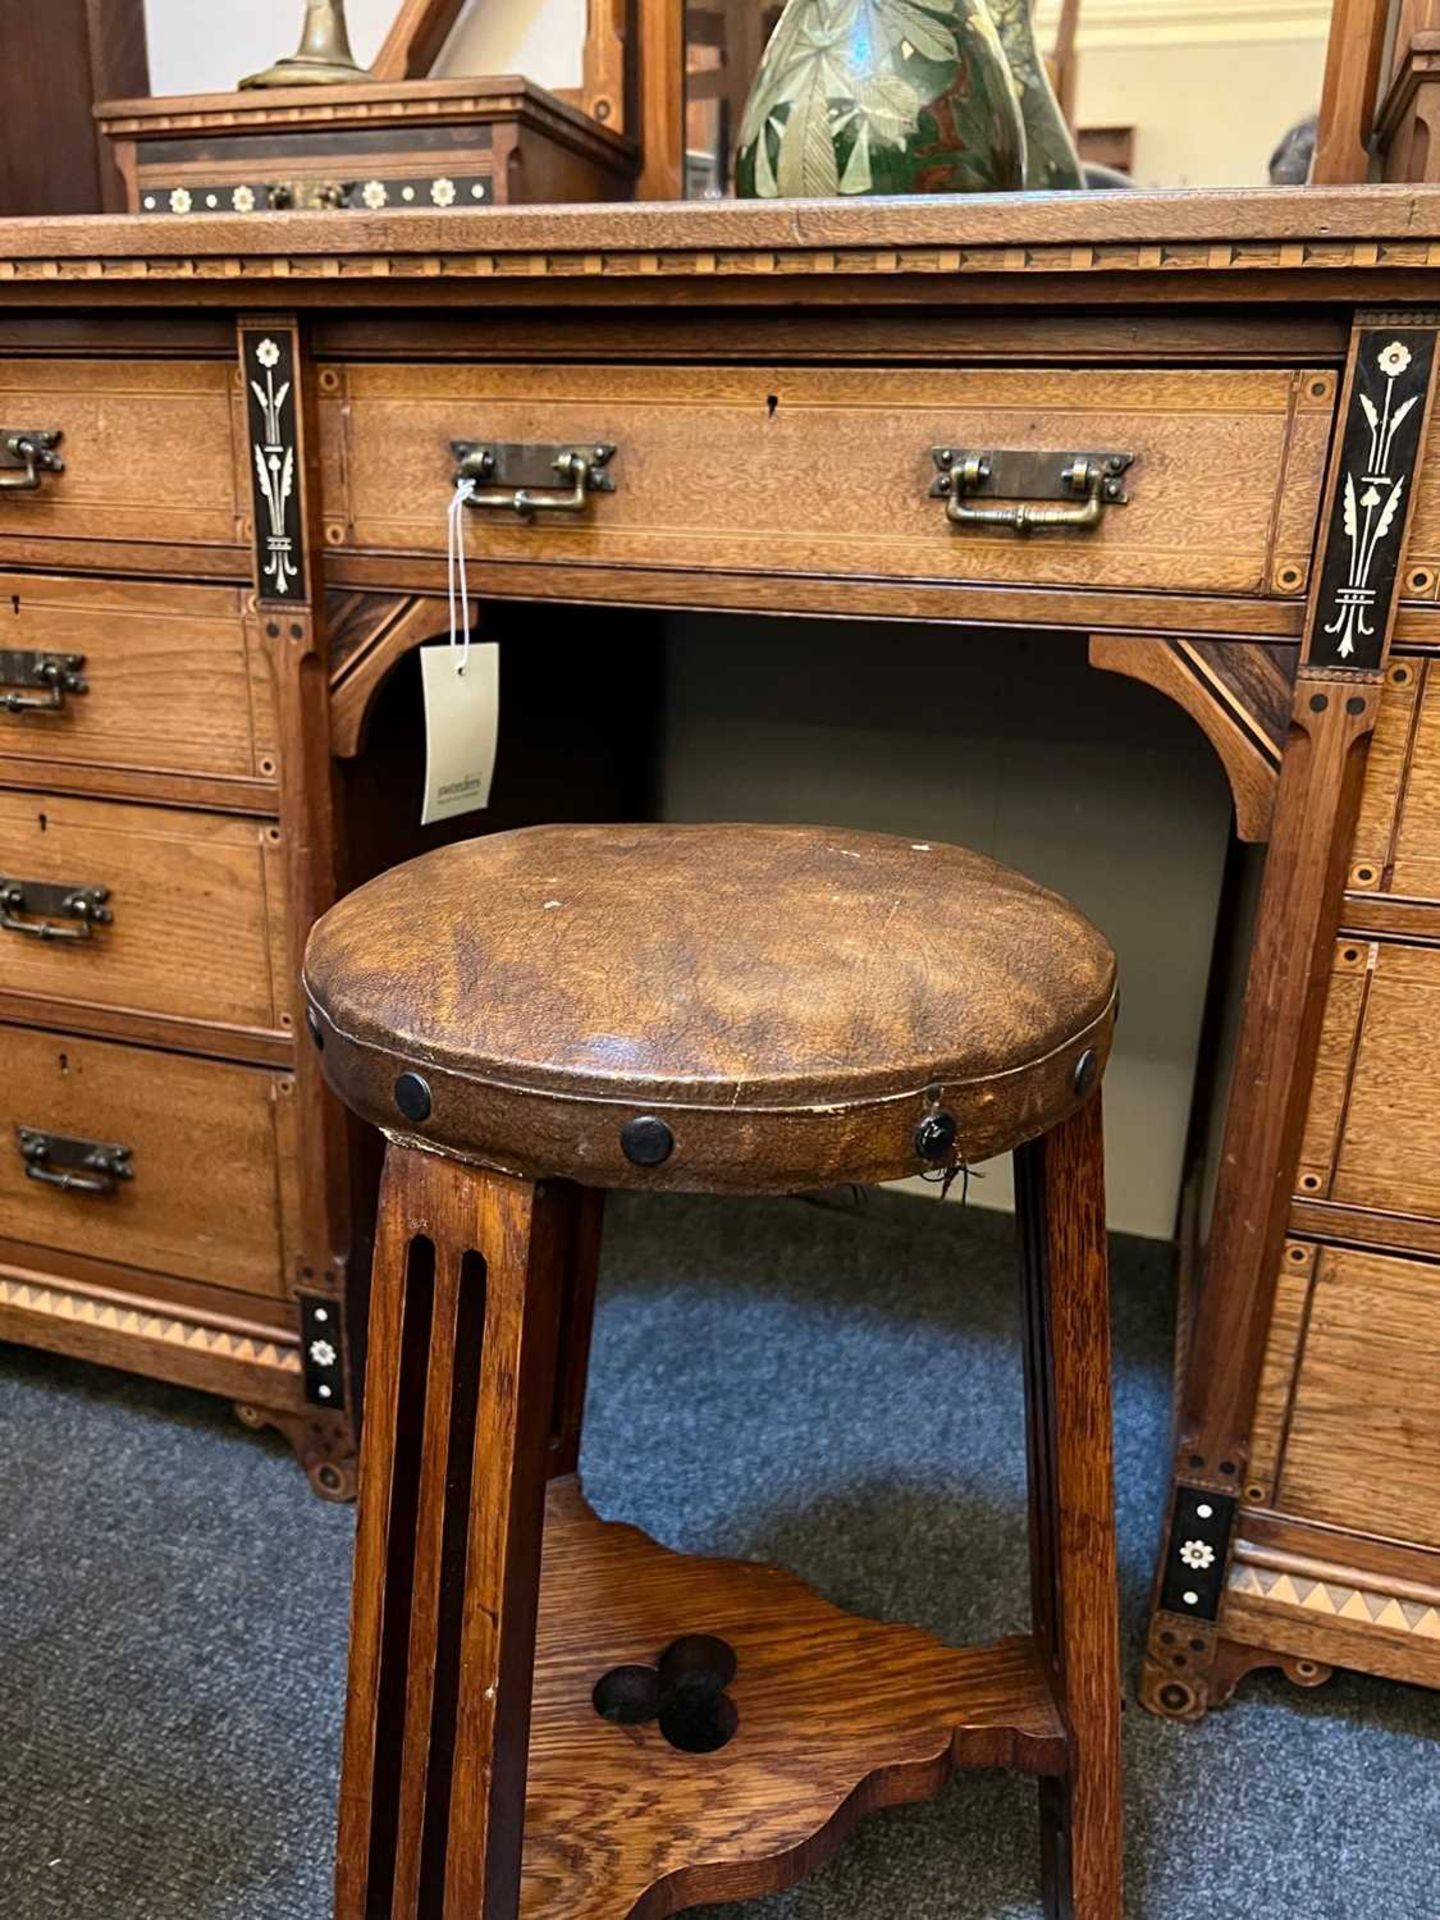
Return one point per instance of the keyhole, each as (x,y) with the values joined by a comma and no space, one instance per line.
(44,820)
(15,602)
(772,402)
(64,1063)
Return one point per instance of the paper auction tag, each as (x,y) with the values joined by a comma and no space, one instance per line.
(462,726)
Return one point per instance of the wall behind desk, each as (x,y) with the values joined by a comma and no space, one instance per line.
(1208,89)
(200,46)
(1014,745)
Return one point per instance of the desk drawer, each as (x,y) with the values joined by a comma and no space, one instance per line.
(1397,839)
(1360,1447)
(1370,1137)
(196,904)
(149,452)
(175,680)
(810,471)
(212,1154)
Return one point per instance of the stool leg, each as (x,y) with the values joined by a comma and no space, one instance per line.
(1060,1202)
(464,1327)
(577,1323)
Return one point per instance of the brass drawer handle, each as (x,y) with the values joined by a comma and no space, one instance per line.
(32,452)
(56,673)
(76,1166)
(1092,479)
(41,898)
(529,480)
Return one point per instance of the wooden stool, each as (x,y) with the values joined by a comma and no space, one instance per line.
(554,1717)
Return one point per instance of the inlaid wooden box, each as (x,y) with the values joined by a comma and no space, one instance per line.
(418,145)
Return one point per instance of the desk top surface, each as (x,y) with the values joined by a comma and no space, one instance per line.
(1211,244)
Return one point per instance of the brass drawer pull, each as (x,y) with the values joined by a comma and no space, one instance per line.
(57,673)
(76,1166)
(42,898)
(32,452)
(1092,479)
(529,480)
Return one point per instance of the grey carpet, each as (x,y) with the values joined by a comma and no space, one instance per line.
(835,1391)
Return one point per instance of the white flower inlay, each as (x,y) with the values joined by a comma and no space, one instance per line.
(275,468)
(1370,507)
(374,194)
(243,199)
(442,192)
(1198,1554)
(322,1353)
(180,201)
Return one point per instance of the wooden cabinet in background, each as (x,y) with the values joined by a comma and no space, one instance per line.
(60,58)
(427,146)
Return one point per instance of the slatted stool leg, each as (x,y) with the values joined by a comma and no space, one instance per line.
(1066,1302)
(460,1412)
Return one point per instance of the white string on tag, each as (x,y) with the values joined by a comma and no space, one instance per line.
(457,586)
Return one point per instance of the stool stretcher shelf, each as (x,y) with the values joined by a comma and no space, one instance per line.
(837,1716)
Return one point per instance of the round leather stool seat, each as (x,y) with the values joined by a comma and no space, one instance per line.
(726,1008)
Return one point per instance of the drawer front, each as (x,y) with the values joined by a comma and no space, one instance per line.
(175,679)
(212,1152)
(1397,839)
(807,471)
(149,448)
(196,904)
(1370,1138)
(1361,1448)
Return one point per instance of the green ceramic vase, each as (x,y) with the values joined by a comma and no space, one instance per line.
(1051,160)
(881,96)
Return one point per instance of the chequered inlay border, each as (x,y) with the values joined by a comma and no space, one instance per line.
(1122,257)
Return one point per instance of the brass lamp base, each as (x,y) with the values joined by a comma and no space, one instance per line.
(296,71)
(324,58)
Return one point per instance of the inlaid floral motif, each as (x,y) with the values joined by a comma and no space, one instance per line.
(1371,501)
(275,469)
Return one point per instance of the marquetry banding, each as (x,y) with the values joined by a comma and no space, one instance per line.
(723,261)
(1334,1600)
(173,1330)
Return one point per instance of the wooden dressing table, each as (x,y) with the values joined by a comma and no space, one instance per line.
(837,409)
